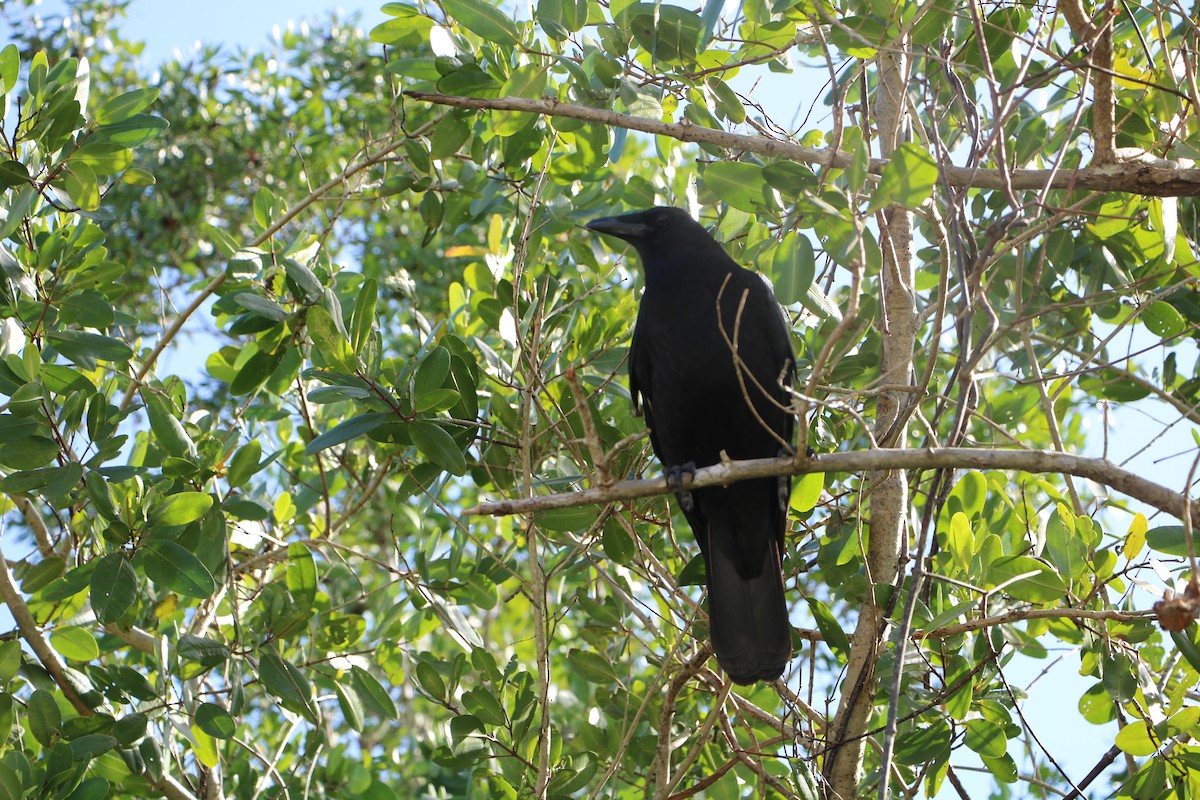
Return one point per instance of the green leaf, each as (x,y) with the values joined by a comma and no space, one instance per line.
(806,491)
(1002,767)
(329,341)
(907,180)
(301,573)
(436,444)
(484,20)
(986,738)
(105,158)
(923,745)
(668,33)
(793,267)
(431,681)
(736,183)
(124,106)
(285,681)
(830,629)
(347,430)
(1041,584)
(42,573)
(1163,319)
(132,132)
(484,705)
(83,345)
(10,67)
(1170,539)
(13,173)
(525,81)
(172,566)
(305,279)
(351,707)
(432,372)
(201,650)
(970,492)
(45,720)
(372,693)
(74,643)
(91,789)
(215,721)
(167,429)
(256,370)
(693,572)
(31,451)
(1138,739)
(560,18)
(244,464)
(362,319)
(180,509)
(89,309)
(114,587)
(94,744)
(408,30)
(262,306)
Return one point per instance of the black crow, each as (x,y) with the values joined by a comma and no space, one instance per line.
(712,387)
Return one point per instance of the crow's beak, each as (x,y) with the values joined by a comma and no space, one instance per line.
(619,227)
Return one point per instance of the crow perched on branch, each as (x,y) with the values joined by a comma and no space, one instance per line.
(710,358)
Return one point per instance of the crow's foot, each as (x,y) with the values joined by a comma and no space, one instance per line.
(674,476)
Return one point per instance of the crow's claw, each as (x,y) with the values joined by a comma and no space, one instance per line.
(674,476)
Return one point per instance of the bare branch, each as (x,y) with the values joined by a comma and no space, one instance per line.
(1099,470)
(1133,172)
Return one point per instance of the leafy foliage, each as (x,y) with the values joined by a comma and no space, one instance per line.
(271,329)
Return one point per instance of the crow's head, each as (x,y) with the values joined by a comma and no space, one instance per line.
(667,239)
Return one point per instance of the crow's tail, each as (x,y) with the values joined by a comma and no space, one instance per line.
(748,616)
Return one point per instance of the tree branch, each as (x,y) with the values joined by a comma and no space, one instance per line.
(1134,171)
(1099,470)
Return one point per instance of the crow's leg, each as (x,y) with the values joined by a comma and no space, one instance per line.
(784,482)
(674,476)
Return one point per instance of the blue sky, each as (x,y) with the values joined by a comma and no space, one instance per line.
(166,25)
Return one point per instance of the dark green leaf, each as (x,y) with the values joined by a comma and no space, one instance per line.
(203,651)
(832,632)
(372,693)
(167,429)
(215,721)
(347,430)
(114,588)
(173,567)
(32,451)
(436,444)
(77,345)
(42,573)
(13,173)
(92,745)
(1170,539)
(45,720)
(285,681)
(484,705)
